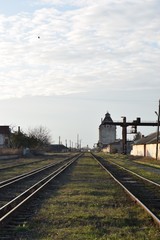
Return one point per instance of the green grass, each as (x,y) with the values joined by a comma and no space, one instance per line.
(88,205)
(30,165)
(155,165)
(140,165)
(139,159)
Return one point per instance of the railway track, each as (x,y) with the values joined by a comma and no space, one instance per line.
(11,181)
(16,192)
(15,211)
(143,191)
(21,163)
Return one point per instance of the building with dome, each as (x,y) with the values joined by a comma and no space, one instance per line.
(107,133)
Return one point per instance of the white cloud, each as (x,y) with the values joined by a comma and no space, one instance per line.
(112,44)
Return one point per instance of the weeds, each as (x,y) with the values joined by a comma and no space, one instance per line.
(89,205)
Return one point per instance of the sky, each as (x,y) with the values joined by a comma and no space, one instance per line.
(65,63)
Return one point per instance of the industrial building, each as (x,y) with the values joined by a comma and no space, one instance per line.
(107,133)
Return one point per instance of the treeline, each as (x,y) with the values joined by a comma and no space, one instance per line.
(35,138)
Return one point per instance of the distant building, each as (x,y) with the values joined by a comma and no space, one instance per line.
(58,148)
(146,146)
(107,133)
(4,136)
(117,147)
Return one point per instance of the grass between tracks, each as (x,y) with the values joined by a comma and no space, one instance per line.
(144,166)
(88,205)
(15,171)
(29,165)
(148,161)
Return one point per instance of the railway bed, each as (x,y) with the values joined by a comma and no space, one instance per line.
(140,189)
(27,192)
(26,165)
(11,188)
(9,164)
(24,214)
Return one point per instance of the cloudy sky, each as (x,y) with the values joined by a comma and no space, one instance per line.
(65,63)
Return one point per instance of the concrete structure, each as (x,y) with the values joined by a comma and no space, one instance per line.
(117,147)
(146,146)
(4,136)
(107,133)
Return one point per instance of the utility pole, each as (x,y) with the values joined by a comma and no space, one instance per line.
(124,135)
(77,141)
(158,115)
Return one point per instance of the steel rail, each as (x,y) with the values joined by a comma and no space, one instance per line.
(136,174)
(10,181)
(9,209)
(131,195)
(21,164)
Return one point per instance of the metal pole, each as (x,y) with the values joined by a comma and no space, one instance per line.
(158,114)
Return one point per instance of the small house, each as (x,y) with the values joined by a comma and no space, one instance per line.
(147,146)
(4,136)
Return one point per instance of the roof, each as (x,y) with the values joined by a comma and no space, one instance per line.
(107,119)
(149,139)
(57,147)
(117,142)
(4,130)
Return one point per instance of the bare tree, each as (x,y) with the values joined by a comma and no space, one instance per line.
(41,135)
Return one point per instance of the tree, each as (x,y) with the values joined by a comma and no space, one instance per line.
(18,139)
(40,136)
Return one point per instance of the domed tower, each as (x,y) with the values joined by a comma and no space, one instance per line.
(107,133)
